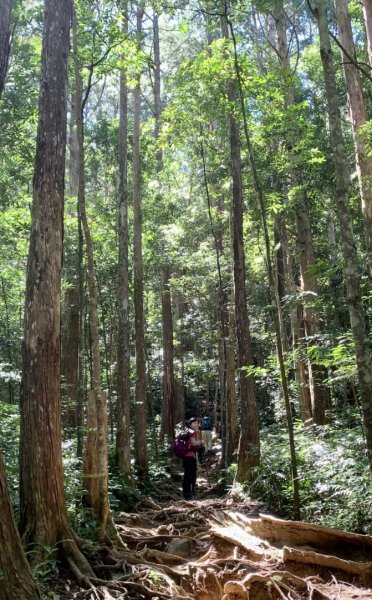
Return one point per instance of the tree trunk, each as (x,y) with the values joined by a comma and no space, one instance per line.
(7,332)
(279,333)
(169,394)
(249,442)
(5,40)
(43,516)
(16,581)
(358,117)
(179,408)
(123,351)
(367,11)
(70,352)
(71,302)
(95,461)
(232,420)
(351,274)
(167,411)
(286,285)
(141,437)
(319,393)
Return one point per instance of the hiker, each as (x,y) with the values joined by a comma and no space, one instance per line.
(190,463)
(206,425)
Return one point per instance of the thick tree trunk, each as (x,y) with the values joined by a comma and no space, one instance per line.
(141,402)
(95,461)
(351,271)
(5,39)
(16,581)
(123,356)
(367,11)
(358,117)
(43,516)
(167,412)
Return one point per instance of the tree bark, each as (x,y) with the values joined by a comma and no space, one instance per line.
(43,516)
(249,442)
(351,271)
(123,353)
(95,457)
(231,400)
(167,411)
(70,352)
(358,117)
(16,581)
(141,403)
(169,393)
(5,40)
(279,333)
(319,393)
(286,285)
(71,302)
(367,11)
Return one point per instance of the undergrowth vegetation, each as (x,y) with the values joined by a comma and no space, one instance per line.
(334,479)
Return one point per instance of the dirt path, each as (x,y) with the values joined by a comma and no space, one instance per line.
(218,549)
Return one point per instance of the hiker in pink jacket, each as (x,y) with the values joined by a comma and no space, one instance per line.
(190,463)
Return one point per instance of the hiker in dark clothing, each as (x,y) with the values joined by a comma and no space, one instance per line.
(206,426)
(190,463)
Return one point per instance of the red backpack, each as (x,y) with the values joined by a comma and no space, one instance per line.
(181,444)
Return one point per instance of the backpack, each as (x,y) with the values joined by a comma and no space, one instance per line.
(181,444)
(206,423)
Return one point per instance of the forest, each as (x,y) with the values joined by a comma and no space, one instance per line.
(185,240)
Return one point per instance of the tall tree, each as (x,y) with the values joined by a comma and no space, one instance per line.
(358,117)
(168,421)
(168,404)
(249,442)
(95,458)
(16,579)
(351,266)
(141,437)
(70,343)
(306,257)
(123,351)
(5,40)
(43,516)
(278,324)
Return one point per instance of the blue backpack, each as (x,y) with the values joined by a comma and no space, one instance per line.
(206,423)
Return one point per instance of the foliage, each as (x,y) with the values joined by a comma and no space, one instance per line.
(333,474)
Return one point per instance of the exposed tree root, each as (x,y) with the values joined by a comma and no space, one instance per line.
(206,551)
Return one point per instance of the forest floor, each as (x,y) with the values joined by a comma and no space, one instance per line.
(218,548)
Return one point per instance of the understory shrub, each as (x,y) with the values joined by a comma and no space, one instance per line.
(334,480)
